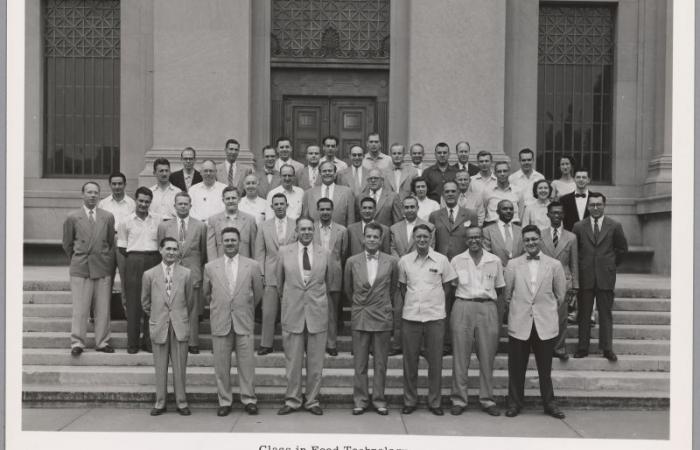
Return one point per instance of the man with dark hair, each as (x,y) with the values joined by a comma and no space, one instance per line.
(284,153)
(268,177)
(230,172)
(355,176)
(343,200)
(575,203)
(601,244)
(485,179)
(309,176)
(463,149)
(187,176)
(375,159)
(330,147)
(231,217)
(503,190)
(356,230)
(88,240)
(523,179)
(163,191)
(417,153)
(440,172)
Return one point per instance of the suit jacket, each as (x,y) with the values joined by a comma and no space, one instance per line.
(493,242)
(598,260)
(89,247)
(178,179)
(245,223)
(356,238)
(568,201)
(540,304)
(267,247)
(263,186)
(338,252)
(232,309)
(242,171)
(193,253)
(371,304)
(346,178)
(401,243)
(304,180)
(389,209)
(408,173)
(471,168)
(303,304)
(343,206)
(163,310)
(566,252)
(451,238)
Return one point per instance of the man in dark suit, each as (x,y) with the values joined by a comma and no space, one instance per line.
(343,200)
(388,210)
(356,230)
(88,240)
(188,175)
(371,278)
(575,204)
(563,246)
(440,172)
(601,245)
(463,148)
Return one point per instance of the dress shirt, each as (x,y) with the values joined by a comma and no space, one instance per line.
(424,277)
(454,210)
(478,281)
(502,229)
(188,178)
(87,213)
(409,230)
(119,209)
(397,178)
(338,163)
(179,224)
(559,231)
(524,183)
(419,168)
(470,200)
(227,166)
(381,162)
(534,266)
(294,201)
(600,224)
(280,227)
(330,188)
(164,200)
(305,274)
(480,183)
(206,200)
(313,174)
(426,206)
(255,208)
(325,232)
(357,175)
(372,264)
(581,204)
(375,194)
(535,213)
(495,195)
(137,235)
(232,271)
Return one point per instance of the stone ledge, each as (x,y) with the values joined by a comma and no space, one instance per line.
(655,205)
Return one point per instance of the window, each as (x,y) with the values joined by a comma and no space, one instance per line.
(81,87)
(574,88)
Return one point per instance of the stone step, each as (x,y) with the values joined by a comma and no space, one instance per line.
(118,340)
(62,357)
(585,380)
(63,324)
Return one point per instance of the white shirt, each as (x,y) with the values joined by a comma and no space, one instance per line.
(419,168)
(206,200)
(357,174)
(119,209)
(179,224)
(480,183)
(581,204)
(455,211)
(325,232)
(600,223)
(138,235)
(372,265)
(409,230)
(397,178)
(375,194)
(294,201)
(313,174)
(331,189)
(305,274)
(165,270)
(502,229)
(424,277)
(524,183)
(256,208)
(164,200)
(339,164)
(426,206)
(382,162)
(534,266)
(551,231)
(231,264)
(478,281)
(87,212)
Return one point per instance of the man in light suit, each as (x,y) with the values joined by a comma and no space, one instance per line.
(343,200)
(563,246)
(187,176)
(191,235)
(231,217)
(302,281)
(309,176)
(388,210)
(535,289)
(230,172)
(273,234)
(268,177)
(503,238)
(166,297)
(355,176)
(332,237)
(356,230)
(88,240)
(399,176)
(371,279)
(601,246)
(233,287)
(467,198)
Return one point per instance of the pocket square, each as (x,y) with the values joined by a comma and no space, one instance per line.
(468,223)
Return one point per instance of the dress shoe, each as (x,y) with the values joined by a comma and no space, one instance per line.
(446,352)
(262,351)
(223,411)
(408,409)
(610,355)
(555,412)
(193,349)
(396,351)
(512,411)
(106,349)
(457,410)
(491,410)
(437,411)
(316,410)
(76,351)
(158,411)
(286,409)
(184,411)
(580,354)
(332,351)
(146,347)
(251,409)
(132,350)
(562,356)
(358,411)
(382,411)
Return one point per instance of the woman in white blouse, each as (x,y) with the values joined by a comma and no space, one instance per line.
(419,186)
(565,184)
(252,203)
(535,211)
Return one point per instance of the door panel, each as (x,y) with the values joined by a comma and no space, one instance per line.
(305,123)
(351,121)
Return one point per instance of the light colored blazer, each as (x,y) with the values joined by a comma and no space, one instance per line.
(540,305)
(263,186)
(163,310)
(242,171)
(245,223)
(408,173)
(267,247)
(493,242)
(338,252)
(356,239)
(343,204)
(598,260)
(371,304)
(389,209)
(90,248)
(304,179)
(303,304)
(566,252)
(345,178)
(401,243)
(232,309)
(193,254)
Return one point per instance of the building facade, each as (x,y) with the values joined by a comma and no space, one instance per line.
(113,85)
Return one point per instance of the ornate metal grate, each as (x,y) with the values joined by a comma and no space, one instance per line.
(82,29)
(321,29)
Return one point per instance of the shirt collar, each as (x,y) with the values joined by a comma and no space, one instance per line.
(165,266)
(375,256)
(600,219)
(233,260)
(310,247)
(430,255)
(502,224)
(87,211)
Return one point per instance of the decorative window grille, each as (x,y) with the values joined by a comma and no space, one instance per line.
(575,88)
(322,30)
(81,87)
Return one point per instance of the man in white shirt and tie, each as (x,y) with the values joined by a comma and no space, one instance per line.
(231,172)
(355,176)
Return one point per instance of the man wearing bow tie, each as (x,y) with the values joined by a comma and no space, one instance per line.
(269,177)
(576,203)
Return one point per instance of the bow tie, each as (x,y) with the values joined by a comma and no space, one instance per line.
(536,257)
(580,195)
(371,257)
(270,172)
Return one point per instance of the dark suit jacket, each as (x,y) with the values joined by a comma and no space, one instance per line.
(568,201)
(451,238)
(598,260)
(356,238)
(471,168)
(178,179)
(90,248)
(263,186)
(371,304)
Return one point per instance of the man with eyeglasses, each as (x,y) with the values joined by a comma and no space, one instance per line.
(188,175)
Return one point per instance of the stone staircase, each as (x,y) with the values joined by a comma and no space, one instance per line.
(52,377)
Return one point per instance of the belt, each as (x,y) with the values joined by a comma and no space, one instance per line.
(477,300)
(152,252)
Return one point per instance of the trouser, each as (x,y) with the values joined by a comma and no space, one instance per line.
(270,307)
(136,321)
(560,344)
(194,317)
(413,334)
(121,265)
(295,344)
(449,301)
(84,292)
(176,351)
(333,310)
(362,341)
(604,299)
(473,323)
(398,311)
(518,357)
(222,346)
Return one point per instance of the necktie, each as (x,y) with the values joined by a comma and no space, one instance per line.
(452,216)
(358,179)
(231,275)
(305,259)
(325,191)
(280,230)
(168,281)
(509,238)
(182,230)
(555,238)
(230,174)
(91,217)
(596,229)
